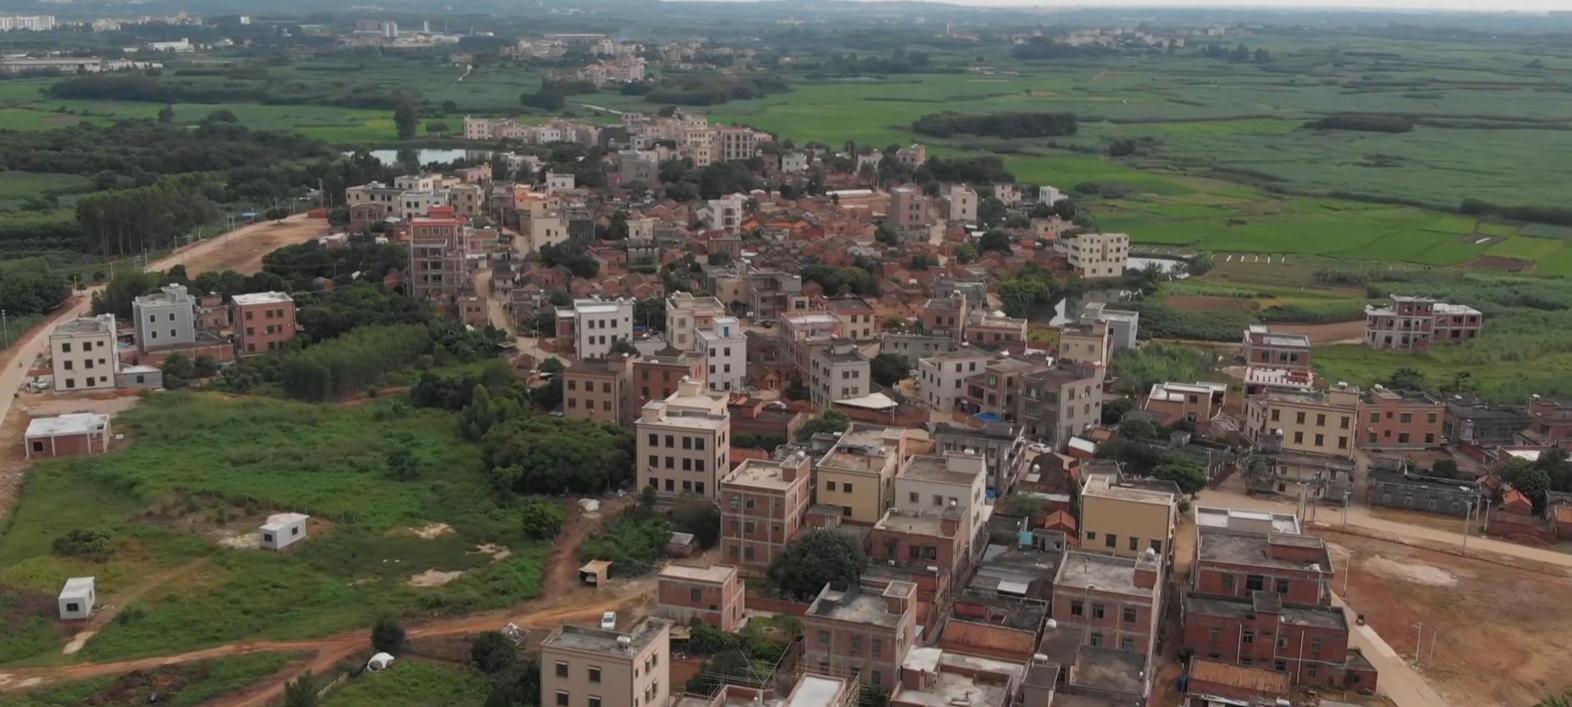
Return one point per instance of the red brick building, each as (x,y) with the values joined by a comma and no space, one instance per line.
(1265,349)
(1117,601)
(263,322)
(713,595)
(67,435)
(1308,643)
(764,504)
(1236,564)
(858,631)
(656,377)
(1399,419)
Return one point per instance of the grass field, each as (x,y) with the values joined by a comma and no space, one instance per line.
(193,485)
(176,686)
(411,683)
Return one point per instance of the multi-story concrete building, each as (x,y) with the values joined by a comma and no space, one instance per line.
(908,207)
(468,200)
(711,595)
(1085,343)
(1399,419)
(856,317)
(737,143)
(995,331)
(1266,349)
(599,389)
(1188,402)
(599,324)
(1060,402)
(390,200)
(436,257)
(1310,423)
(914,156)
(838,372)
(263,322)
(1002,445)
(960,204)
(1098,255)
(686,315)
(1126,519)
(1123,325)
(1475,422)
(858,473)
(592,667)
(1396,489)
(940,377)
(724,214)
(727,351)
(772,294)
(997,388)
(546,230)
(915,347)
(1415,323)
(764,503)
(857,631)
(932,485)
(947,315)
(683,442)
(1115,601)
(82,353)
(656,376)
(164,318)
(1239,560)
(794,162)
(638,166)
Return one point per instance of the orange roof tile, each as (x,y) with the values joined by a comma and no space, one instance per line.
(1268,682)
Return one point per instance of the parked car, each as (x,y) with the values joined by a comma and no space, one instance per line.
(380,661)
(608,621)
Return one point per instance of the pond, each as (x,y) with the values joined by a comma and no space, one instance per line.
(428,156)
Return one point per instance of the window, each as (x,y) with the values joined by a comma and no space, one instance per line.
(1430,438)
(1299,418)
(846,487)
(856,643)
(1096,639)
(1315,645)
(1077,608)
(1097,611)
(1254,582)
(594,701)
(829,486)
(878,650)
(1342,442)
(65,348)
(1299,438)
(1228,583)
(1217,634)
(1312,670)
(1402,438)
(1344,422)
(1247,637)
(1282,586)
(1091,535)
(1280,665)
(1320,420)
(824,638)
(1405,418)
(1127,645)
(562,669)
(913,497)
(594,673)
(562,697)
(1274,415)
(1111,540)
(1129,615)
(1431,418)
(1372,439)
(1135,544)
(938,500)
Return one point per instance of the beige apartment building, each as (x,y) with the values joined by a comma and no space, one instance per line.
(687,315)
(1061,402)
(908,207)
(961,204)
(858,473)
(592,667)
(763,504)
(1124,519)
(683,441)
(1311,422)
(1095,255)
(82,351)
(838,372)
(1085,343)
(598,388)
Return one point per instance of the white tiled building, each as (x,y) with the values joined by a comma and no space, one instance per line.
(83,353)
(599,324)
(728,353)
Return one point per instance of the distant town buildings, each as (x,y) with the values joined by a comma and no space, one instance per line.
(1416,323)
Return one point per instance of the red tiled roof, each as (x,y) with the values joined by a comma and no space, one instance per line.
(1261,680)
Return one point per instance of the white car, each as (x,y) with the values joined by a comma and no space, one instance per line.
(608,621)
(1039,448)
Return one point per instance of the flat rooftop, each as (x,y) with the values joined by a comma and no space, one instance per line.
(862,448)
(849,304)
(762,474)
(928,524)
(279,521)
(596,640)
(1108,486)
(929,467)
(815,691)
(1110,670)
(858,606)
(717,574)
(1316,616)
(1245,520)
(76,587)
(951,687)
(1084,570)
(76,423)
(262,298)
(1232,547)
(102,324)
(1423,483)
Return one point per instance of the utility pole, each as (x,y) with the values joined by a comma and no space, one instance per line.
(1419,640)
(5,329)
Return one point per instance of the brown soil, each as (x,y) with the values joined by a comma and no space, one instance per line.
(242,249)
(1335,333)
(1204,303)
(1495,263)
(1501,632)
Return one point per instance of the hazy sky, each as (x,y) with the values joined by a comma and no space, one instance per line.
(1468,5)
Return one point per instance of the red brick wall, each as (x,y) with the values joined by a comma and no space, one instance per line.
(989,640)
(64,446)
(1302,586)
(1229,647)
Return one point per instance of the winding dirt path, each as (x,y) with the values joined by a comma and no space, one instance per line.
(562,600)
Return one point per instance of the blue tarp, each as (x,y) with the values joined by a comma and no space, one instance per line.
(988,417)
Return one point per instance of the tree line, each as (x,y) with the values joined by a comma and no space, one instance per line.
(153,217)
(145,88)
(1005,125)
(1363,123)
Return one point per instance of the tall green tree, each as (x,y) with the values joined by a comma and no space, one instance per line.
(818,558)
(302,691)
(407,120)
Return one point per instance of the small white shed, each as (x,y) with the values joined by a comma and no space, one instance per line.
(283,529)
(76,599)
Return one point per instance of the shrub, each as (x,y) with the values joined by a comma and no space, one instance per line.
(388,636)
(91,544)
(542,519)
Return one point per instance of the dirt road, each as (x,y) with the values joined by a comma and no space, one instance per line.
(562,600)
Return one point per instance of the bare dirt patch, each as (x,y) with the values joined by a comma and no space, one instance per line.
(498,552)
(1334,333)
(1207,303)
(1409,572)
(244,254)
(1497,263)
(1502,631)
(433,578)
(430,531)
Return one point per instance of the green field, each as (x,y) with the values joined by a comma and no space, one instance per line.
(207,469)
(411,683)
(184,685)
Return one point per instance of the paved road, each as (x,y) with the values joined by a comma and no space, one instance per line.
(1359,516)
(1399,682)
